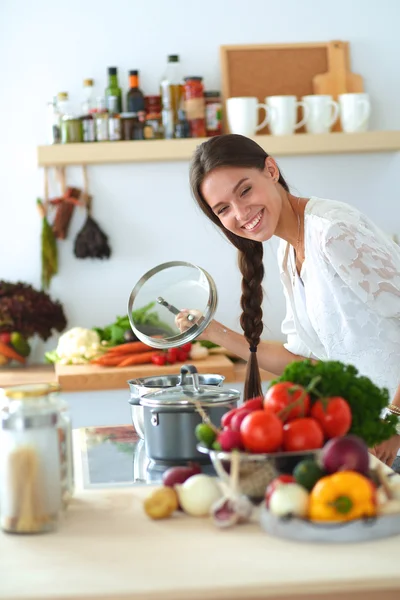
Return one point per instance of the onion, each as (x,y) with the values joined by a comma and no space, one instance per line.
(347,453)
(175,475)
(198,494)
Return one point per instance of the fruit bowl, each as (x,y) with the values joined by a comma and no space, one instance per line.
(256,471)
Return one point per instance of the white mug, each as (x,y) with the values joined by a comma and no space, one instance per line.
(242,115)
(323,112)
(355,110)
(284,114)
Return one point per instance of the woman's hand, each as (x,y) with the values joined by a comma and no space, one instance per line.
(387,450)
(182,322)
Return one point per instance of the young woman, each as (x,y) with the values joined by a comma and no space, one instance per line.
(340,273)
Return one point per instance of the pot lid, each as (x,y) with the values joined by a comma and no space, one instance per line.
(161,294)
(189,393)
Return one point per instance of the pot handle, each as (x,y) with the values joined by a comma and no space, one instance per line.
(190,370)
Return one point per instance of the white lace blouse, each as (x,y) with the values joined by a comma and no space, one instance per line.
(351,277)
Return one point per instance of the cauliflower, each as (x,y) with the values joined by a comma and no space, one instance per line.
(198,352)
(78,344)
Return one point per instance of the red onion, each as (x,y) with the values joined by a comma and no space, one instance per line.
(347,453)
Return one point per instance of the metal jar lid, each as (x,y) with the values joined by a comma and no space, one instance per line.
(188,394)
(34,390)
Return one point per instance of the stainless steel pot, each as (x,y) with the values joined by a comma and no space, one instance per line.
(147,385)
(171,416)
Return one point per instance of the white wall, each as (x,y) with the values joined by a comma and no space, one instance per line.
(49,46)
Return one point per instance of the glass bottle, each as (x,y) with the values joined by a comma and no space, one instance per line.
(171,93)
(182,128)
(114,121)
(88,105)
(113,89)
(101,120)
(31,460)
(53,122)
(63,104)
(135,97)
(213,113)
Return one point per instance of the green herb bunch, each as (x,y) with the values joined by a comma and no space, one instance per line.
(366,400)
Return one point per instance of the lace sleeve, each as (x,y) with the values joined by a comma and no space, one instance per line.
(368,263)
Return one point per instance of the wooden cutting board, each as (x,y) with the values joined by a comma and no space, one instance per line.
(338,79)
(83,378)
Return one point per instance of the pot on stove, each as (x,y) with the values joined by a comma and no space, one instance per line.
(171,416)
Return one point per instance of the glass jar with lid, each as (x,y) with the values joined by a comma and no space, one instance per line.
(195,106)
(35,438)
(71,129)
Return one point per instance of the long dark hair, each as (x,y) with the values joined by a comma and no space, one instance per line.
(238,151)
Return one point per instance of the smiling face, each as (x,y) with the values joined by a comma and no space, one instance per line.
(247,201)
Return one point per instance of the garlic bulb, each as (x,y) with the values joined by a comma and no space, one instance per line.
(230,511)
(198,494)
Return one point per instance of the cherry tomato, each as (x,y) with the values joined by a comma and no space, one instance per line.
(182,355)
(281,480)
(334,416)
(262,431)
(159,358)
(238,417)
(280,396)
(186,347)
(254,403)
(302,434)
(172,355)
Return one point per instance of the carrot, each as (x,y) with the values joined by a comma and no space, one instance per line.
(106,361)
(9,352)
(136,359)
(128,348)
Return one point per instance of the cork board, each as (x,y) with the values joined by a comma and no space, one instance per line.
(271,70)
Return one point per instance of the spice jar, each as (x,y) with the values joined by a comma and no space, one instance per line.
(71,130)
(195,106)
(131,127)
(31,476)
(153,126)
(213,113)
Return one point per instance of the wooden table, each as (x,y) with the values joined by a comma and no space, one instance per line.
(107,549)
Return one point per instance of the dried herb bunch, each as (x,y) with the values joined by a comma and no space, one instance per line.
(28,311)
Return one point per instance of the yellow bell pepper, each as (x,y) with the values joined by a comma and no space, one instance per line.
(344,496)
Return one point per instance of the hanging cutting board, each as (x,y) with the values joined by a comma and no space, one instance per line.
(338,79)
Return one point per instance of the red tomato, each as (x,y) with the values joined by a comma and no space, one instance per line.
(238,417)
(159,358)
(261,432)
(5,338)
(334,416)
(172,355)
(253,403)
(302,434)
(182,355)
(281,480)
(280,396)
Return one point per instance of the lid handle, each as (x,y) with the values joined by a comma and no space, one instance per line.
(190,370)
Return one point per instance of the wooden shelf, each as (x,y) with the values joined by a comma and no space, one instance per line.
(176,150)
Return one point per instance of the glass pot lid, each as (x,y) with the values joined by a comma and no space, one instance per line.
(189,392)
(161,294)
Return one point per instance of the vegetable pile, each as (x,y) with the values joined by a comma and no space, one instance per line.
(365,399)
(25,312)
